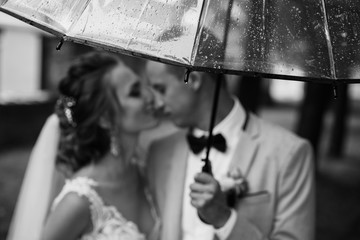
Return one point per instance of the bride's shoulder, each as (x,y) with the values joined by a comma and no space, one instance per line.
(74,204)
(71,215)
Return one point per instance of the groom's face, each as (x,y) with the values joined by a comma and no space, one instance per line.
(175,100)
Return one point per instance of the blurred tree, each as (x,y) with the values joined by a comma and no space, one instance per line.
(317,99)
(249,91)
(339,129)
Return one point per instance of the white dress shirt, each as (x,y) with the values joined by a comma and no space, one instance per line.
(192,227)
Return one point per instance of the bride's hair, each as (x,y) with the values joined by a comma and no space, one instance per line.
(86,97)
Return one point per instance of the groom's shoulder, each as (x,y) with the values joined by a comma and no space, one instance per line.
(276,140)
(273,133)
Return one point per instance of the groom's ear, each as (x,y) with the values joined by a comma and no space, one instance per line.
(195,80)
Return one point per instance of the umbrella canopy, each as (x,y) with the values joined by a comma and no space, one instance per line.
(307,40)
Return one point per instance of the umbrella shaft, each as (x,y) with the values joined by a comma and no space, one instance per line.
(207,165)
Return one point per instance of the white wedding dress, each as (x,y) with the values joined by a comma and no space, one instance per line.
(107,221)
(41,183)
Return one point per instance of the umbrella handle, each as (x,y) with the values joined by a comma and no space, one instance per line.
(207,166)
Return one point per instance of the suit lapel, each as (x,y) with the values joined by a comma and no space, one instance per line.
(176,164)
(247,147)
(174,186)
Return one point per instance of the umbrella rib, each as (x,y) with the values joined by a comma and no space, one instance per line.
(137,23)
(79,15)
(264,29)
(199,28)
(328,41)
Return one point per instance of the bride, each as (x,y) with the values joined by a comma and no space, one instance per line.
(102,108)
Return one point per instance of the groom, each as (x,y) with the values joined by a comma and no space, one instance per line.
(277,166)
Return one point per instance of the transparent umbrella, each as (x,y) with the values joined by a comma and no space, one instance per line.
(306,40)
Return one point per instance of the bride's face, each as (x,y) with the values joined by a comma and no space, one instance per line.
(135,98)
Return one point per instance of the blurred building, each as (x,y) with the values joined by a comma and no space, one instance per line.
(29,62)
(30,68)
(20,57)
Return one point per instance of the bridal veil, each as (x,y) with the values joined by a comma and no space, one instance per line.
(38,186)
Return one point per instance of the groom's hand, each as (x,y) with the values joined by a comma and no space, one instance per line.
(207,197)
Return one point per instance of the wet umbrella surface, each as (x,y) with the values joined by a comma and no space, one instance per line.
(308,40)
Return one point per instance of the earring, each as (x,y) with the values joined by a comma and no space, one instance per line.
(114,146)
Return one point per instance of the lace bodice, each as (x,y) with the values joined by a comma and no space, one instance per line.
(107,221)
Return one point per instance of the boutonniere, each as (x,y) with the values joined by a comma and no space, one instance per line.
(234,185)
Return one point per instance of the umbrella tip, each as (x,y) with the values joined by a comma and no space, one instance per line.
(61,42)
(187,74)
(335,91)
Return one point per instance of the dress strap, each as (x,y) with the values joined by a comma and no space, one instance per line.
(84,187)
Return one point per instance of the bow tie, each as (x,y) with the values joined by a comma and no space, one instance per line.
(197,144)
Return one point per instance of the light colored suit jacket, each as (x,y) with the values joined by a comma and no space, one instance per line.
(279,169)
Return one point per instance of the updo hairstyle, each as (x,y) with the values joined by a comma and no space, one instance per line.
(86,98)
